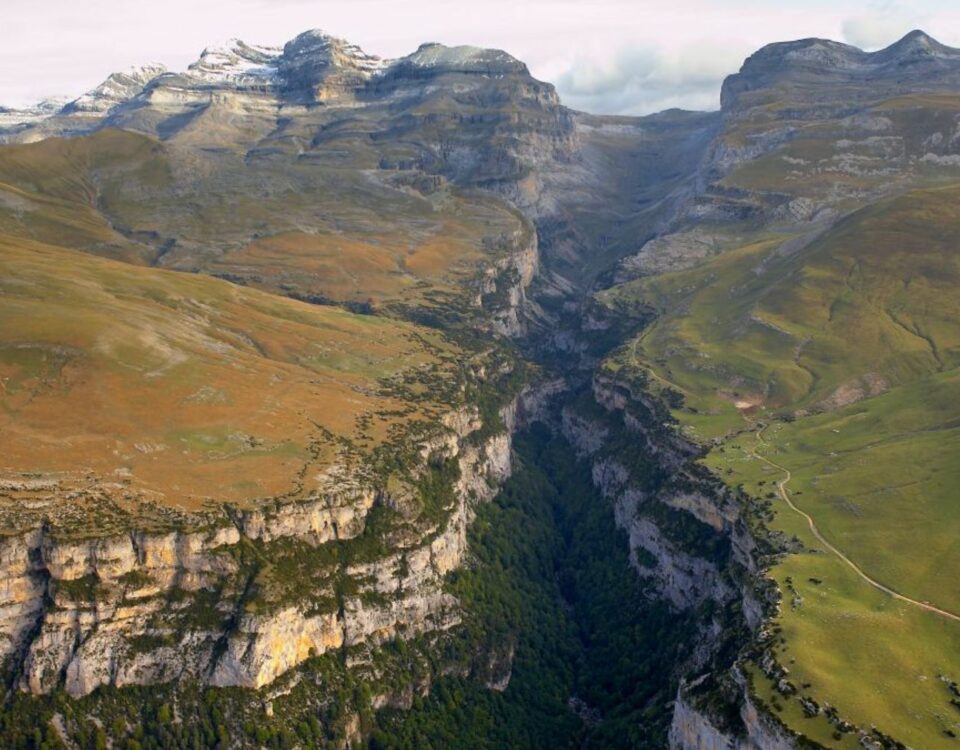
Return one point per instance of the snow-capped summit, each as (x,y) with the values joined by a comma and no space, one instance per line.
(318,66)
(235,61)
(314,68)
(316,49)
(117,89)
(464,58)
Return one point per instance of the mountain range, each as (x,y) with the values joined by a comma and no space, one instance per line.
(349,401)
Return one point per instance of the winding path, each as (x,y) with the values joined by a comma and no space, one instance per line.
(653,373)
(781,486)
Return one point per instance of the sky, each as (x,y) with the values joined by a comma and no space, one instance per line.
(605,56)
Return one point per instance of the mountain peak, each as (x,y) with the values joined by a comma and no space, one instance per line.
(812,52)
(918,35)
(315,37)
(316,60)
(314,66)
(317,43)
(813,68)
(234,59)
(916,45)
(117,88)
(464,58)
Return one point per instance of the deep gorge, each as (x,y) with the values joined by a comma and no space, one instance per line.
(560,647)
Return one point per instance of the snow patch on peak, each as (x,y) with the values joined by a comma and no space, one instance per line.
(313,37)
(464,57)
(317,48)
(237,49)
(116,89)
(235,61)
(48,106)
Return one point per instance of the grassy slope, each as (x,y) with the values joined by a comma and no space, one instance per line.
(188,386)
(49,190)
(201,388)
(337,232)
(859,334)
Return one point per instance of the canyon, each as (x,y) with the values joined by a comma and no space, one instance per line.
(531,268)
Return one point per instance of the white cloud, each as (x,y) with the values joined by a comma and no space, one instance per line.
(648,79)
(606,55)
(883,24)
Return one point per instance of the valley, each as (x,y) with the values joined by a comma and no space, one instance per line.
(391,403)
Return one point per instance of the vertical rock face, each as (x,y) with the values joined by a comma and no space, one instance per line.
(503,291)
(649,512)
(693,730)
(151,607)
(688,541)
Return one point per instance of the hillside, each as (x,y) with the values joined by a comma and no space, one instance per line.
(393,404)
(180,390)
(841,335)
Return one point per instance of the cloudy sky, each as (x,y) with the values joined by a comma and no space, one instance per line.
(616,56)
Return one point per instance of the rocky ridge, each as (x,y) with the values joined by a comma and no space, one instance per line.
(809,131)
(313,68)
(152,607)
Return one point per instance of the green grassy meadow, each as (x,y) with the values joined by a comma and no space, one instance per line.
(849,348)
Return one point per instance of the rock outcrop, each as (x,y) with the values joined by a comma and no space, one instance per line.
(692,729)
(152,607)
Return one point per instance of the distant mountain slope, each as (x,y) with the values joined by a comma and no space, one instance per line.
(325,110)
(810,284)
(866,306)
(328,234)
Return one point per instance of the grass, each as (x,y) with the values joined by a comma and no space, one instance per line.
(49,190)
(879,661)
(342,233)
(817,728)
(873,298)
(876,659)
(883,476)
(184,389)
(853,341)
(187,387)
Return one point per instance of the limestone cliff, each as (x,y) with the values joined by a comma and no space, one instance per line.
(149,606)
(689,541)
(693,729)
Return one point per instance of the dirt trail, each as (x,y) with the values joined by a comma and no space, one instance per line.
(781,486)
(636,363)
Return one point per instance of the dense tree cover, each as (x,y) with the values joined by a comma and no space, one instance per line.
(552,578)
(548,598)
